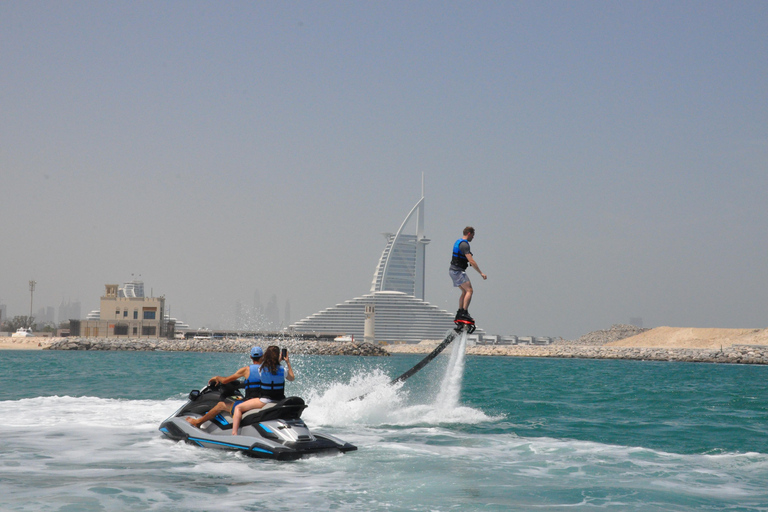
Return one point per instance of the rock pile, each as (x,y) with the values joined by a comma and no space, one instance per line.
(615,333)
(742,354)
(302,347)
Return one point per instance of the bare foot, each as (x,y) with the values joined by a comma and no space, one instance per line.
(192,421)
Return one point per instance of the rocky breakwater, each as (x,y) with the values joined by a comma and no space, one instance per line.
(742,354)
(300,347)
(740,346)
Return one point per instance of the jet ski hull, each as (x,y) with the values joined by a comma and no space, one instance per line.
(277,432)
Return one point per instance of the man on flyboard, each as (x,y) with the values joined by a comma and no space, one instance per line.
(460,260)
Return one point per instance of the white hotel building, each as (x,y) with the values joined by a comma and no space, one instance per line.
(397,296)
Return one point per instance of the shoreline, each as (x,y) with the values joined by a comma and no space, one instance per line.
(739,346)
(240,345)
(738,354)
(682,344)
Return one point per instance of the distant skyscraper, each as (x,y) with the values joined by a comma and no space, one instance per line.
(287,312)
(272,313)
(239,315)
(45,315)
(257,302)
(69,310)
(397,293)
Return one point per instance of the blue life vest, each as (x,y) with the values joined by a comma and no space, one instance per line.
(273,386)
(253,383)
(459,259)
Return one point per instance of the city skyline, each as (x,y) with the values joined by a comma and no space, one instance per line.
(46,314)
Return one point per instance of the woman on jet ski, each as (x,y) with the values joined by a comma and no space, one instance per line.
(273,377)
(252,387)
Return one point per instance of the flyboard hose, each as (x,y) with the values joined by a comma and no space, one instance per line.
(421,364)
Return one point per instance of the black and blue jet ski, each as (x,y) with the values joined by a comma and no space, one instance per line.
(274,432)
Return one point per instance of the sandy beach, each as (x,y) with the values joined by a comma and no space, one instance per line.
(34,343)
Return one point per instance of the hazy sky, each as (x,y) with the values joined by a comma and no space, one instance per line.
(613,156)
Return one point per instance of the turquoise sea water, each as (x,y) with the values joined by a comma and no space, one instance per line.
(79,433)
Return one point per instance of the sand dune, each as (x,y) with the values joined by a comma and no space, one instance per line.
(694,337)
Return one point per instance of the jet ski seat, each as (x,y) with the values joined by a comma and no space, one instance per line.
(287,409)
(227,423)
(257,411)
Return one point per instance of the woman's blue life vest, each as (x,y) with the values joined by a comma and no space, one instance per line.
(459,259)
(273,386)
(253,383)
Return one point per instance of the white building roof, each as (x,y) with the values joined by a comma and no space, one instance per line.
(399,317)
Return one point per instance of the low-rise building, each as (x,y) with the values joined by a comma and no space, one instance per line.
(126,314)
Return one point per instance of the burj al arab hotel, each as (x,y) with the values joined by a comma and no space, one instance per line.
(396,299)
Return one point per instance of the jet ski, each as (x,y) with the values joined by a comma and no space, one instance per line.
(273,432)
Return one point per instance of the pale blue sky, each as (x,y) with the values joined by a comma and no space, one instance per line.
(613,156)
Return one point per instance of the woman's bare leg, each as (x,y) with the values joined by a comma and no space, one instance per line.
(237,414)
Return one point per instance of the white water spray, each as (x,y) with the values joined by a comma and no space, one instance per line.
(450,389)
(387,404)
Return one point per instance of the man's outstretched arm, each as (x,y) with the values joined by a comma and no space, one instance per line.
(474,265)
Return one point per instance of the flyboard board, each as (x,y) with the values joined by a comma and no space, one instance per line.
(450,335)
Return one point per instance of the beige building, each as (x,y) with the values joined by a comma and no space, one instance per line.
(126,314)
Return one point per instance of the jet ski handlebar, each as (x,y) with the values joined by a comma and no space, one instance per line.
(230,388)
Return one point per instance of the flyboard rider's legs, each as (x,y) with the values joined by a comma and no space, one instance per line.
(464,300)
(219,407)
(466,295)
(462,282)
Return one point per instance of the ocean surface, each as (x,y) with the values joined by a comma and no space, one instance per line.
(80,432)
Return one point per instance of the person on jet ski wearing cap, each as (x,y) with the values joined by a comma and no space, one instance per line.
(252,387)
